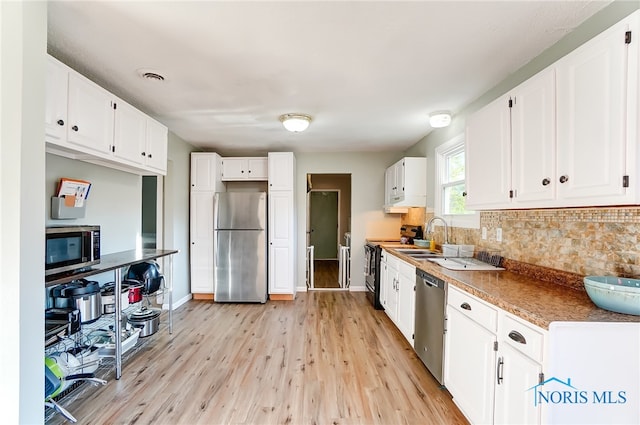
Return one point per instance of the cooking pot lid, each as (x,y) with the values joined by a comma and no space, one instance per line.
(146,313)
(79,288)
(109,288)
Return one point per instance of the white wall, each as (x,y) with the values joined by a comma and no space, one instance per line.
(176,213)
(367,198)
(115,201)
(22,68)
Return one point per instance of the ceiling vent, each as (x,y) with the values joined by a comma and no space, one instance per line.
(150,75)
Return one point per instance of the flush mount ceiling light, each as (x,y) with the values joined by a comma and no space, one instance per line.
(295,122)
(439,119)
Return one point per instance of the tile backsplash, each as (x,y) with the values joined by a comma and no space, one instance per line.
(585,241)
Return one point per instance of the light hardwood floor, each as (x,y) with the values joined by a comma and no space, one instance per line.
(325,358)
(325,274)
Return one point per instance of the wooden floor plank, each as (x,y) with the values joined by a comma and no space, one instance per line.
(324,358)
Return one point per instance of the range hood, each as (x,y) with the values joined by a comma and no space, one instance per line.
(402,206)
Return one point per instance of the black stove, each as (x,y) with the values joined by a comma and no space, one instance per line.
(372,253)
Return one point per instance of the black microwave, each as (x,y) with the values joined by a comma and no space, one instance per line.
(71,248)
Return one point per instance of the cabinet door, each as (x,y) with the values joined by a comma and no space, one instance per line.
(55,117)
(234,169)
(514,404)
(206,172)
(392,290)
(592,93)
(389,185)
(470,366)
(396,180)
(400,179)
(156,146)
(130,130)
(407,302)
(258,168)
(488,156)
(281,170)
(90,113)
(533,140)
(201,232)
(281,234)
(384,281)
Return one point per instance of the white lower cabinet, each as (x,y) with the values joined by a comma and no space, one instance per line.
(391,284)
(470,355)
(405,316)
(397,293)
(517,373)
(492,360)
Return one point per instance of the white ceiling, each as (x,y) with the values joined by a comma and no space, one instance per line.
(368,72)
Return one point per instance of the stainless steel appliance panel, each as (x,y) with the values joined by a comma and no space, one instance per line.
(240,210)
(240,266)
(429,322)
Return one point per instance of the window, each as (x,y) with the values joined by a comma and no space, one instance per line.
(450,185)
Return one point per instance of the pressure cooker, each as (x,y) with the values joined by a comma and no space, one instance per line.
(147,319)
(109,300)
(81,294)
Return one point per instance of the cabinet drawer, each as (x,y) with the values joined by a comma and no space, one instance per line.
(523,337)
(475,309)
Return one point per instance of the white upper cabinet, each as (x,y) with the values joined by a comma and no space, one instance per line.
(488,153)
(84,121)
(406,183)
(570,135)
(281,171)
(206,172)
(597,108)
(244,168)
(91,115)
(130,132)
(156,146)
(57,86)
(533,139)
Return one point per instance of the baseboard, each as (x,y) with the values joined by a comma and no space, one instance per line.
(178,303)
(281,297)
(203,297)
(301,288)
(357,288)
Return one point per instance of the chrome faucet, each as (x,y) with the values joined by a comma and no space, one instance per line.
(430,224)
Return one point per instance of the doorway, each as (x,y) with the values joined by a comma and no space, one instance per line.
(152,213)
(328,219)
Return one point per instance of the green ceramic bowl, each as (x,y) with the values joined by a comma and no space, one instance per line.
(618,294)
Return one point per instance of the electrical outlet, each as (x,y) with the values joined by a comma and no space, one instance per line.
(484,233)
(499,234)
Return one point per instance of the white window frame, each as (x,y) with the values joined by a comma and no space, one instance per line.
(469,221)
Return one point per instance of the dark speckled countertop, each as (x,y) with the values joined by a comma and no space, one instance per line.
(534,300)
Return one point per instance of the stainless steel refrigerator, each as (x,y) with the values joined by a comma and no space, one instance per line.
(240,246)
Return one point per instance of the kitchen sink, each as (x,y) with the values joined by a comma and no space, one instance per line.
(419,253)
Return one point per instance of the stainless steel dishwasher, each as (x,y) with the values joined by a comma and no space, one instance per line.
(429,325)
